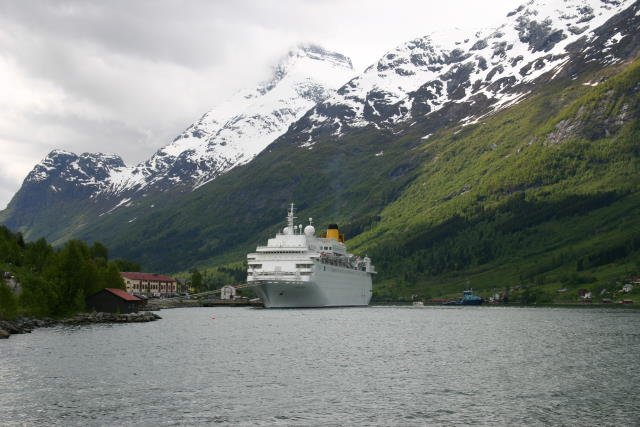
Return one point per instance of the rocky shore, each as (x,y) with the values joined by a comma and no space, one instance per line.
(23,325)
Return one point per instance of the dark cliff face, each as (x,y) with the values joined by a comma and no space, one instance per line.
(64,176)
(57,190)
(615,41)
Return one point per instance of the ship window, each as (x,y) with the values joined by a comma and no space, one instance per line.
(304,265)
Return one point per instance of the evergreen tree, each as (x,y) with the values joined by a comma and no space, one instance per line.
(8,303)
(98,250)
(196,280)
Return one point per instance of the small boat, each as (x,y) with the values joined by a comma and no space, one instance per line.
(418,304)
(468,298)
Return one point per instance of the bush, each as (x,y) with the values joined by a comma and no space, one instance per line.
(8,303)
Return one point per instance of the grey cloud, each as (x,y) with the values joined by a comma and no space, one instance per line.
(109,136)
(192,34)
(152,30)
(7,189)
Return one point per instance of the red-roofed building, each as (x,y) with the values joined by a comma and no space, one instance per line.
(149,284)
(111,300)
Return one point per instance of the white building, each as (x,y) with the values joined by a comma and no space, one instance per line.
(228,292)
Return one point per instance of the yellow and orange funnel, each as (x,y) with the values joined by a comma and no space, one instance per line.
(334,233)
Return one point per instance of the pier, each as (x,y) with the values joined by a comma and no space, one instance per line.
(203,299)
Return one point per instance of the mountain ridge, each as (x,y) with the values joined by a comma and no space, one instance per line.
(354,179)
(221,139)
(491,67)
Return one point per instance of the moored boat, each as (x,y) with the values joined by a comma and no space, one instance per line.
(298,269)
(468,298)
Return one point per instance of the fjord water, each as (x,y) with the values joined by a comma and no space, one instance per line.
(371,366)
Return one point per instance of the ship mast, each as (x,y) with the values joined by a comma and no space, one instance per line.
(290,219)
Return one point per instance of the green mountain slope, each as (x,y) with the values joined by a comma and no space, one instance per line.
(545,193)
(539,196)
(348,181)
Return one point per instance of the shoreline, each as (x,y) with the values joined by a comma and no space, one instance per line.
(25,325)
(514,305)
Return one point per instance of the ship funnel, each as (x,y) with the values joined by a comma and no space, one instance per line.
(334,233)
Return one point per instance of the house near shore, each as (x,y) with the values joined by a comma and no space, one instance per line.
(228,292)
(111,300)
(584,294)
(149,284)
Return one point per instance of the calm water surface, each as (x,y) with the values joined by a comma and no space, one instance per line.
(366,366)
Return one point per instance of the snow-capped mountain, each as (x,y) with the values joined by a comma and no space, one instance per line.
(87,169)
(491,68)
(426,84)
(473,75)
(227,136)
(233,133)
(64,177)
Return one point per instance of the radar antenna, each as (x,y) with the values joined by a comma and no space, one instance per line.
(290,218)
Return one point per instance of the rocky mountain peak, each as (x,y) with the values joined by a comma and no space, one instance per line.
(302,57)
(238,129)
(86,168)
(317,52)
(487,71)
(420,52)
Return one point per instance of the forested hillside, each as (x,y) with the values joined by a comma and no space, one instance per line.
(53,282)
(545,194)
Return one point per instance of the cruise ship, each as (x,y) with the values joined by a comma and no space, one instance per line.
(298,269)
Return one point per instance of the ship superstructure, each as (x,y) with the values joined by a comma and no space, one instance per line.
(298,269)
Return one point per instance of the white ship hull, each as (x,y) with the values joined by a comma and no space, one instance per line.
(333,287)
(298,269)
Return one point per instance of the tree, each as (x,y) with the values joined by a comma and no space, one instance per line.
(196,280)
(216,279)
(37,254)
(55,282)
(70,277)
(37,296)
(111,277)
(8,303)
(98,250)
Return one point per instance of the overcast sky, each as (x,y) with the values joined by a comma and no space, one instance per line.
(125,77)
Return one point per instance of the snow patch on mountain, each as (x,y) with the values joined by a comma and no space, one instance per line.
(450,77)
(227,136)
(84,170)
(240,128)
(420,77)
